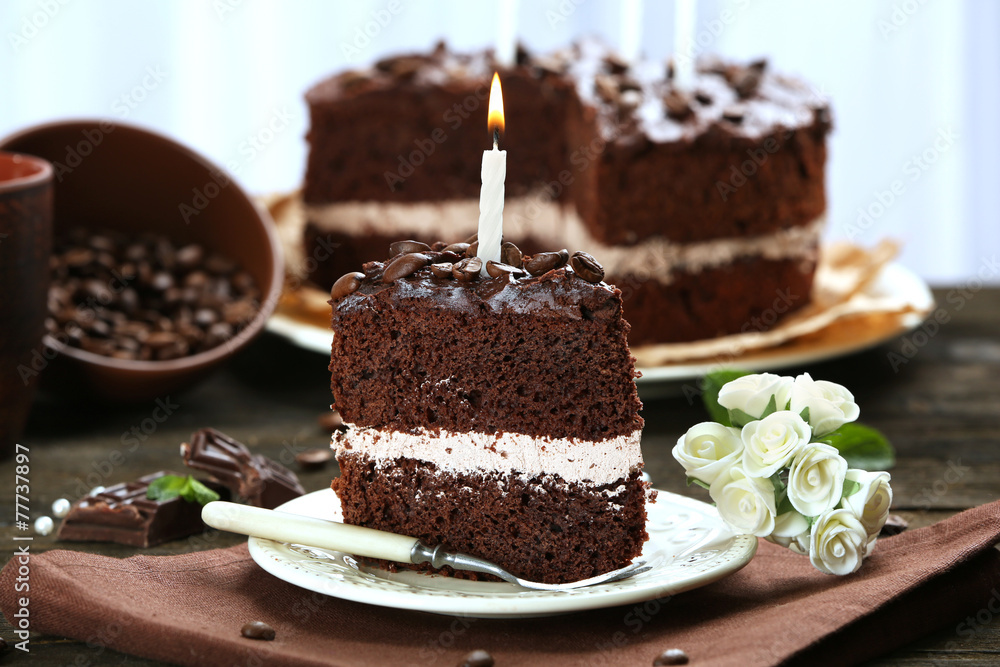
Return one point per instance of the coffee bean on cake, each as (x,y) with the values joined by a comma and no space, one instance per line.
(144,297)
(405,265)
(468,269)
(544,262)
(478,658)
(672,656)
(346,284)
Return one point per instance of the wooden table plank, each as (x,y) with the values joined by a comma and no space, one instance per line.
(941,409)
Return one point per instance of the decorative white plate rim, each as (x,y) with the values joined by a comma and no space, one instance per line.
(893,280)
(689,547)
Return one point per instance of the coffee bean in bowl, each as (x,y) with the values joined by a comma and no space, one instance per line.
(143,297)
(137,182)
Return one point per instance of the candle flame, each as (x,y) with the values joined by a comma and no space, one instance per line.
(495,118)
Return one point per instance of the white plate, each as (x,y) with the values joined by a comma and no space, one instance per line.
(689,546)
(894,280)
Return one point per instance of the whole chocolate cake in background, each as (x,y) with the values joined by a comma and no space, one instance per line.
(705,205)
(496,415)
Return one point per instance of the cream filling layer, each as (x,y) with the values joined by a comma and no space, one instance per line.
(560,226)
(593,462)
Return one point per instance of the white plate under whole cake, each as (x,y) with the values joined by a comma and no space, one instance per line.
(689,546)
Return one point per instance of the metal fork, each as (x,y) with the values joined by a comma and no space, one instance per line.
(309,531)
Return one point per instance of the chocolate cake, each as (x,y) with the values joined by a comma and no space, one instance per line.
(705,204)
(496,415)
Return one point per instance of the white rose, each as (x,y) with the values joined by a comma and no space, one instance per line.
(791,530)
(830,405)
(770,443)
(752,393)
(745,503)
(838,543)
(871,503)
(816,479)
(708,449)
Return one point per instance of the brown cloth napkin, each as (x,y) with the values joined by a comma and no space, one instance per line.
(189,610)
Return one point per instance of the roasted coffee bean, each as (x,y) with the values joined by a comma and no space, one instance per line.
(472,249)
(894,525)
(672,656)
(587,267)
(447,256)
(405,247)
(457,248)
(205,317)
(478,658)
(330,421)
(733,114)
(161,339)
(544,262)
(404,266)
(473,238)
(497,269)
(349,283)
(747,82)
(77,257)
(511,254)
(314,459)
(443,270)
(606,88)
(615,63)
(219,265)
(257,630)
(703,98)
(189,256)
(239,312)
(468,269)
(218,334)
(162,281)
(677,105)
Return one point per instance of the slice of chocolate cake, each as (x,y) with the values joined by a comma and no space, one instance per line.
(495,415)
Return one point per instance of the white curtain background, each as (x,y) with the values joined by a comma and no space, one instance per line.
(915,86)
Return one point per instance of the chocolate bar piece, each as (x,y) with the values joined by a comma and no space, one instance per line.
(122,513)
(253,477)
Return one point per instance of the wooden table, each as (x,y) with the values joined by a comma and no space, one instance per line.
(941,409)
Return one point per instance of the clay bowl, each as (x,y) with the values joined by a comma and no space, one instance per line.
(110,175)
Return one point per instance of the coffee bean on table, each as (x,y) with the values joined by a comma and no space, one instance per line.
(314,459)
(257,630)
(330,421)
(478,658)
(672,656)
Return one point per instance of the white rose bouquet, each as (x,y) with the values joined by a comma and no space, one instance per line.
(776,463)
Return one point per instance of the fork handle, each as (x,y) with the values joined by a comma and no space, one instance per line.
(308,531)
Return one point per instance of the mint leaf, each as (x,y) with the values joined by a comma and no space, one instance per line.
(169,487)
(196,492)
(862,446)
(710,386)
(850,488)
(166,487)
(739,419)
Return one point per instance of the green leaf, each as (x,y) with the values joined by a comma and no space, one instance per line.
(166,487)
(710,386)
(739,419)
(772,407)
(694,480)
(862,446)
(850,488)
(169,487)
(804,414)
(784,505)
(196,492)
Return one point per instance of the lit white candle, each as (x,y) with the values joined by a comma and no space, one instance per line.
(494,174)
(631,44)
(684,29)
